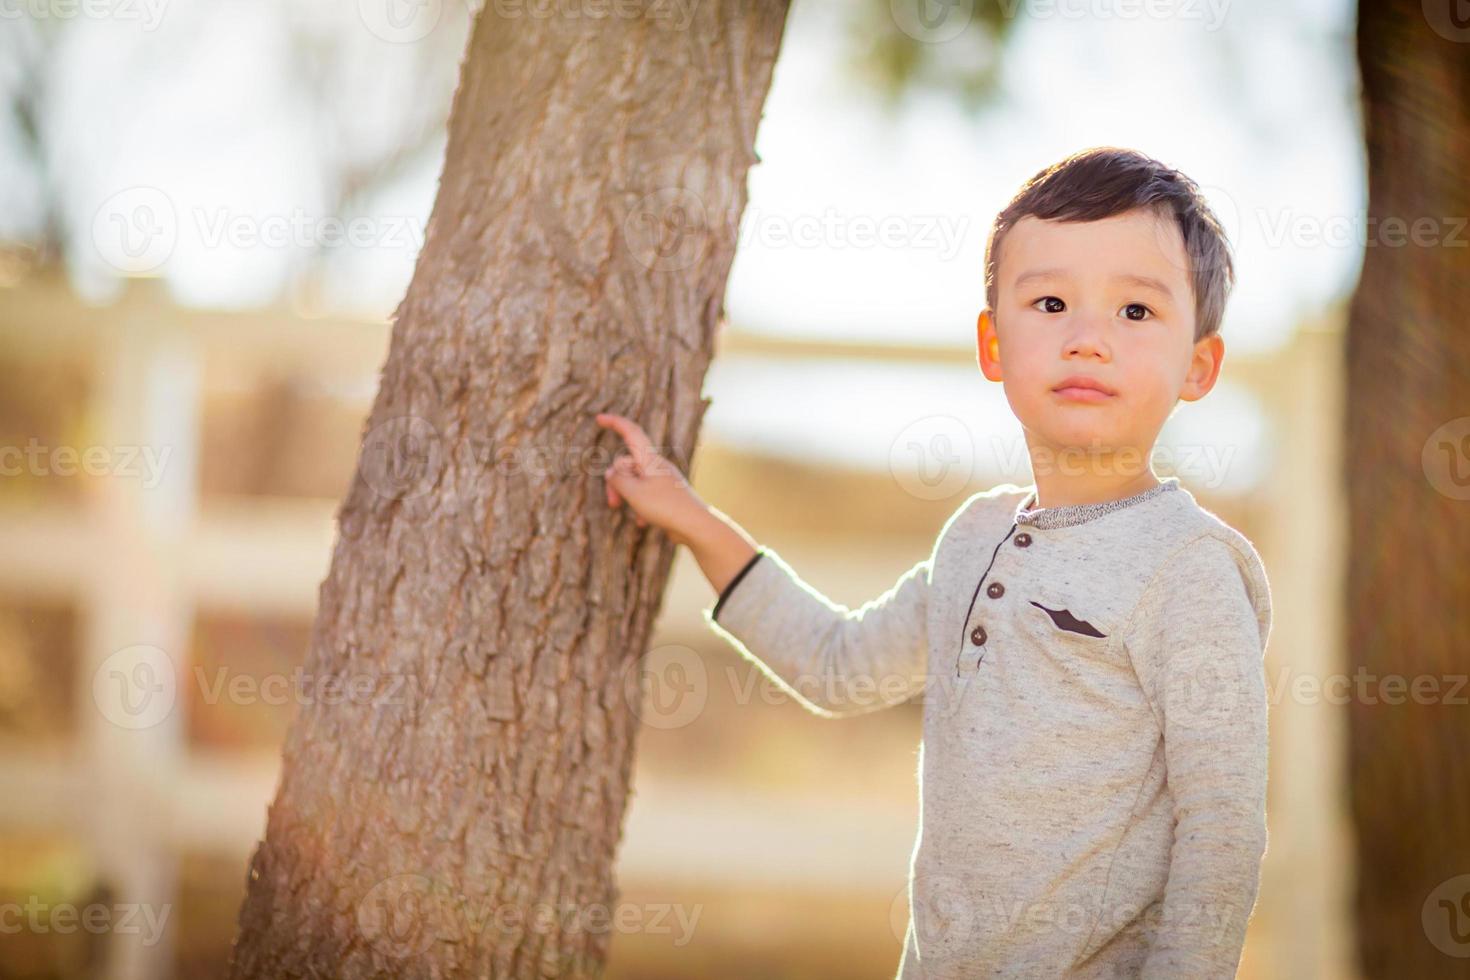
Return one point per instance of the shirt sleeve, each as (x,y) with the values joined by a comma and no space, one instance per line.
(1197,640)
(835,661)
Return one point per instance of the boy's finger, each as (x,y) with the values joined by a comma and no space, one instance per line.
(625,466)
(607,487)
(638,442)
(612,490)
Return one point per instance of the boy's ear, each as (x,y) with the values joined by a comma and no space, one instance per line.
(1204,368)
(987,345)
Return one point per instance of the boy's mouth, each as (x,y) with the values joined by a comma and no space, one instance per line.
(1083,389)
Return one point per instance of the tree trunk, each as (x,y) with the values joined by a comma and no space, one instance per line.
(1408,488)
(453,791)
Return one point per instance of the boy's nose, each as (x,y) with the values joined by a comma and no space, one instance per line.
(1086,331)
(1086,343)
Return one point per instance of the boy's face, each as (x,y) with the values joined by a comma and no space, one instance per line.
(1108,300)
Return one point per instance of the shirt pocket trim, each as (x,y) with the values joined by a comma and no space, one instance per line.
(1064,620)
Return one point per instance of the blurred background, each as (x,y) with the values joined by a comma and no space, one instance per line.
(211,208)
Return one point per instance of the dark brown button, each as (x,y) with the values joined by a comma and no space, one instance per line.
(996,590)
(977,636)
(1022,540)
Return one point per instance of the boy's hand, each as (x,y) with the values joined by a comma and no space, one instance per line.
(650,484)
(659,495)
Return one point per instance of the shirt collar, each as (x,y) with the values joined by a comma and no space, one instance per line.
(1072,514)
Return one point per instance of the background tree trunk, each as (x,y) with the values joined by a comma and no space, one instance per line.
(484,611)
(1408,488)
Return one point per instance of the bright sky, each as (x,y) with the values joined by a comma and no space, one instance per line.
(1252,100)
(197,129)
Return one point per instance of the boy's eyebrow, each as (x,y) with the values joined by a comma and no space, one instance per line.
(1142,282)
(1148,282)
(1038,274)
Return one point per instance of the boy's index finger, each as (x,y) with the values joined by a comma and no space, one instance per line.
(637,440)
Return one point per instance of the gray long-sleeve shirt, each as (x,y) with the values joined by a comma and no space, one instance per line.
(1093,764)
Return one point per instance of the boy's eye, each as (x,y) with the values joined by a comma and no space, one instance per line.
(1132,308)
(1049,308)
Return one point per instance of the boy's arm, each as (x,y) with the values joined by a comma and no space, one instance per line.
(836,661)
(1197,639)
(722,548)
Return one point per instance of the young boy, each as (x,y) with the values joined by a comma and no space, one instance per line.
(1089,647)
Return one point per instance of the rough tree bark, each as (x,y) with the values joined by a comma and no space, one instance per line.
(1408,487)
(485,611)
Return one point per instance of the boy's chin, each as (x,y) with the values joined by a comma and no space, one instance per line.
(1079,443)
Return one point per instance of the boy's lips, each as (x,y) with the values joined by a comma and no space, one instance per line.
(1084,389)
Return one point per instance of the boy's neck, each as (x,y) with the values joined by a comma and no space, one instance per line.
(1057,489)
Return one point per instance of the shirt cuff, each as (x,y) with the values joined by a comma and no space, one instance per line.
(730,587)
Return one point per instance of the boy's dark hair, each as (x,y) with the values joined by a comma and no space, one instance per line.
(1107,180)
